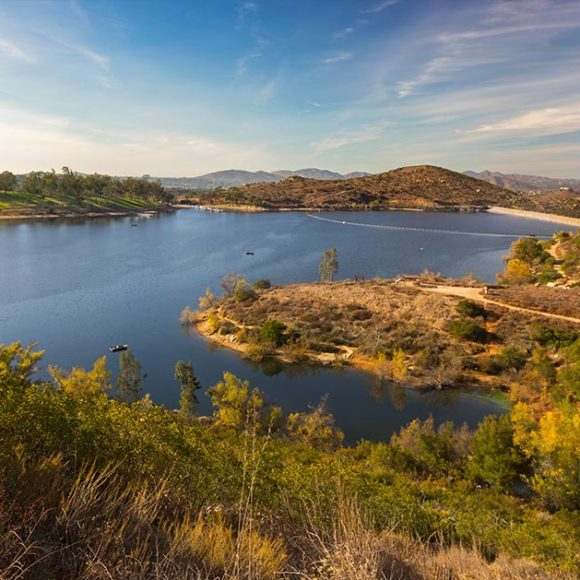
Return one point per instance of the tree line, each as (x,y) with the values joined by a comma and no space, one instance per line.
(70,183)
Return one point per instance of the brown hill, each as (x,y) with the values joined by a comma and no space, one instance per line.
(417,187)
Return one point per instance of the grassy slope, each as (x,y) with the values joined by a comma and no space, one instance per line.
(22,203)
(417,187)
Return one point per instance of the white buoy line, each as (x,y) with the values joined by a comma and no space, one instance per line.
(428,230)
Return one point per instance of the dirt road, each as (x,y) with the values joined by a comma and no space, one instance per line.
(476,294)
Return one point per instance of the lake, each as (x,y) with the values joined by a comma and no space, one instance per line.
(79,286)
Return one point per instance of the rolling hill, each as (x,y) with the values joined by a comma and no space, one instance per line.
(423,187)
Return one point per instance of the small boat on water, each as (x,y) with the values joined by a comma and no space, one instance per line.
(248,253)
(118,347)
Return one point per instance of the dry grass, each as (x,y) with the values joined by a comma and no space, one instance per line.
(563,301)
(96,527)
(365,322)
(351,548)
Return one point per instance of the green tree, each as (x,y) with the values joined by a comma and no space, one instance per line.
(272,332)
(189,385)
(243,292)
(130,378)
(7,181)
(529,251)
(328,265)
(493,456)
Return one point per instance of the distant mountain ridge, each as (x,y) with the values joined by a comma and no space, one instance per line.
(423,187)
(238,177)
(518,182)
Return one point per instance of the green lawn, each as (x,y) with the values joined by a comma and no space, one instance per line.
(14,201)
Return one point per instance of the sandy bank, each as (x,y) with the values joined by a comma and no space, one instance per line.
(534,215)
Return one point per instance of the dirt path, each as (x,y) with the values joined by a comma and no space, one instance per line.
(476,295)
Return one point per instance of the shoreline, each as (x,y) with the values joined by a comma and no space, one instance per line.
(348,358)
(87,215)
(525,214)
(535,215)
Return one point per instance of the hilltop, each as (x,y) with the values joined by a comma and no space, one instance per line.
(421,187)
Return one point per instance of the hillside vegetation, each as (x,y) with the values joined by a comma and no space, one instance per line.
(401,332)
(97,487)
(40,194)
(422,187)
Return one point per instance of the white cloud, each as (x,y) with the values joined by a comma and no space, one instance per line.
(339,57)
(33,141)
(16,52)
(549,121)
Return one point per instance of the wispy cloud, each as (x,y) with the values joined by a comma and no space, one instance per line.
(550,121)
(338,57)
(380,6)
(92,56)
(269,90)
(245,11)
(344,33)
(370,132)
(521,31)
(79,11)
(13,51)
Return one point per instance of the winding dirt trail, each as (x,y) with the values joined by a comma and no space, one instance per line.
(476,295)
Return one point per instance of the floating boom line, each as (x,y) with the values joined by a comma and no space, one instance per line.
(428,230)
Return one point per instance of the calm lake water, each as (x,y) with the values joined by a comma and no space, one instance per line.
(77,287)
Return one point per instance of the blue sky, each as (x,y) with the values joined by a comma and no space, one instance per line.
(187,87)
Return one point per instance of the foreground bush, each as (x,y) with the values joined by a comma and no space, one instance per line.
(93,487)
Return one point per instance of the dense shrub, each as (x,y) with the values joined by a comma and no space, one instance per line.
(244,292)
(556,337)
(470,309)
(273,332)
(262,284)
(468,330)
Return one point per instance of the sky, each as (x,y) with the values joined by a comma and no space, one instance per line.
(185,87)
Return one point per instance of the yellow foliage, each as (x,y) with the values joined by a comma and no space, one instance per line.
(399,368)
(517,272)
(553,440)
(79,381)
(17,363)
